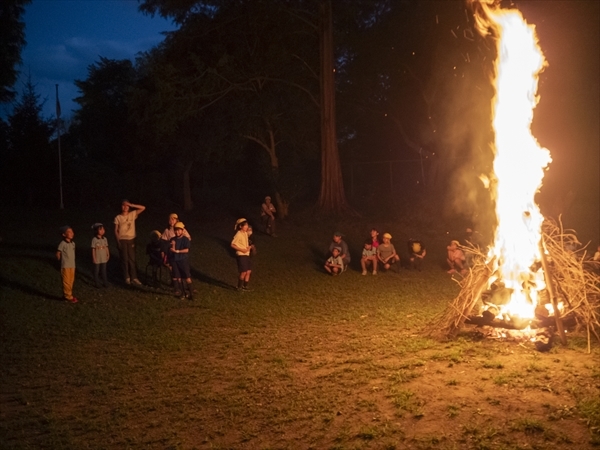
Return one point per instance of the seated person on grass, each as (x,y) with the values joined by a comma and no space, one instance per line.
(456,258)
(374,238)
(386,253)
(339,242)
(369,257)
(334,264)
(416,253)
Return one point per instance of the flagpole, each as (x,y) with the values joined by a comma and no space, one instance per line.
(62,206)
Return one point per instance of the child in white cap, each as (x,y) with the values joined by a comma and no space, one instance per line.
(386,252)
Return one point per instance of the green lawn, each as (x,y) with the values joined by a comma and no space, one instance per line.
(304,361)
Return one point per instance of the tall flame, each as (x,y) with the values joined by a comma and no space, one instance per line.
(519,160)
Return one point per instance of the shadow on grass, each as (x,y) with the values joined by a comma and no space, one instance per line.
(203,278)
(30,290)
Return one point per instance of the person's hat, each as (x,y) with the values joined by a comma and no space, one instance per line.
(97,226)
(237,222)
(339,249)
(173,216)
(64,229)
(338,233)
(387,235)
(179,225)
(155,235)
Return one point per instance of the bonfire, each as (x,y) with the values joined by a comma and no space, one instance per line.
(529,278)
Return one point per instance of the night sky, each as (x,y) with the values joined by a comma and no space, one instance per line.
(65,36)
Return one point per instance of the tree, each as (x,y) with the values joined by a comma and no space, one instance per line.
(332,198)
(12,40)
(246,61)
(103,119)
(31,166)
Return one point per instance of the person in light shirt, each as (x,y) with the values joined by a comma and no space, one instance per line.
(242,254)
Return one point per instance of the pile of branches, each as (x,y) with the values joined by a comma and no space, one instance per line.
(575,280)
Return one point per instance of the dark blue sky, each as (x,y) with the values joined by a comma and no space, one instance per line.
(65,36)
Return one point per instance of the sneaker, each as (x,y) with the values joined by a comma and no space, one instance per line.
(246,288)
(72,300)
(127,280)
(137,282)
(364,272)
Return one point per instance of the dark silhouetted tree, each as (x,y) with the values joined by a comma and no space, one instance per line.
(31,165)
(103,118)
(12,40)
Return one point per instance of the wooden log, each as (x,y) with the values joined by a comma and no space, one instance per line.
(550,289)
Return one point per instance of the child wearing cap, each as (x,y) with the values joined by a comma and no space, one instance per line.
(416,253)
(369,257)
(125,234)
(66,255)
(100,254)
(339,242)
(180,249)
(334,264)
(386,252)
(242,254)
(267,213)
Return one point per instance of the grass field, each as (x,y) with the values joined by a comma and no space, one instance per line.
(304,361)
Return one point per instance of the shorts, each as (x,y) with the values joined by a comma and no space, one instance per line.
(181,269)
(244,263)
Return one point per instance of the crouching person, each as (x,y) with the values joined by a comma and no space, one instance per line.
(334,264)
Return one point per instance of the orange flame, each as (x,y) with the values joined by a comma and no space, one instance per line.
(519,161)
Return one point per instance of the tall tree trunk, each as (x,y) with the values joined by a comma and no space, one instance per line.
(332,198)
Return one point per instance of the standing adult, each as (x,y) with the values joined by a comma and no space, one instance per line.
(242,254)
(267,213)
(125,234)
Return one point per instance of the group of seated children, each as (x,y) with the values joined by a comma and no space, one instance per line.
(383,255)
(374,254)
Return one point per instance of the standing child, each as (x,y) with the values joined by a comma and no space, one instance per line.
(125,234)
(369,256)
(386,252)
(242,254)
(66,255)
(334,264)
(100,254)
(180,248)
(267,213)
(416,253)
